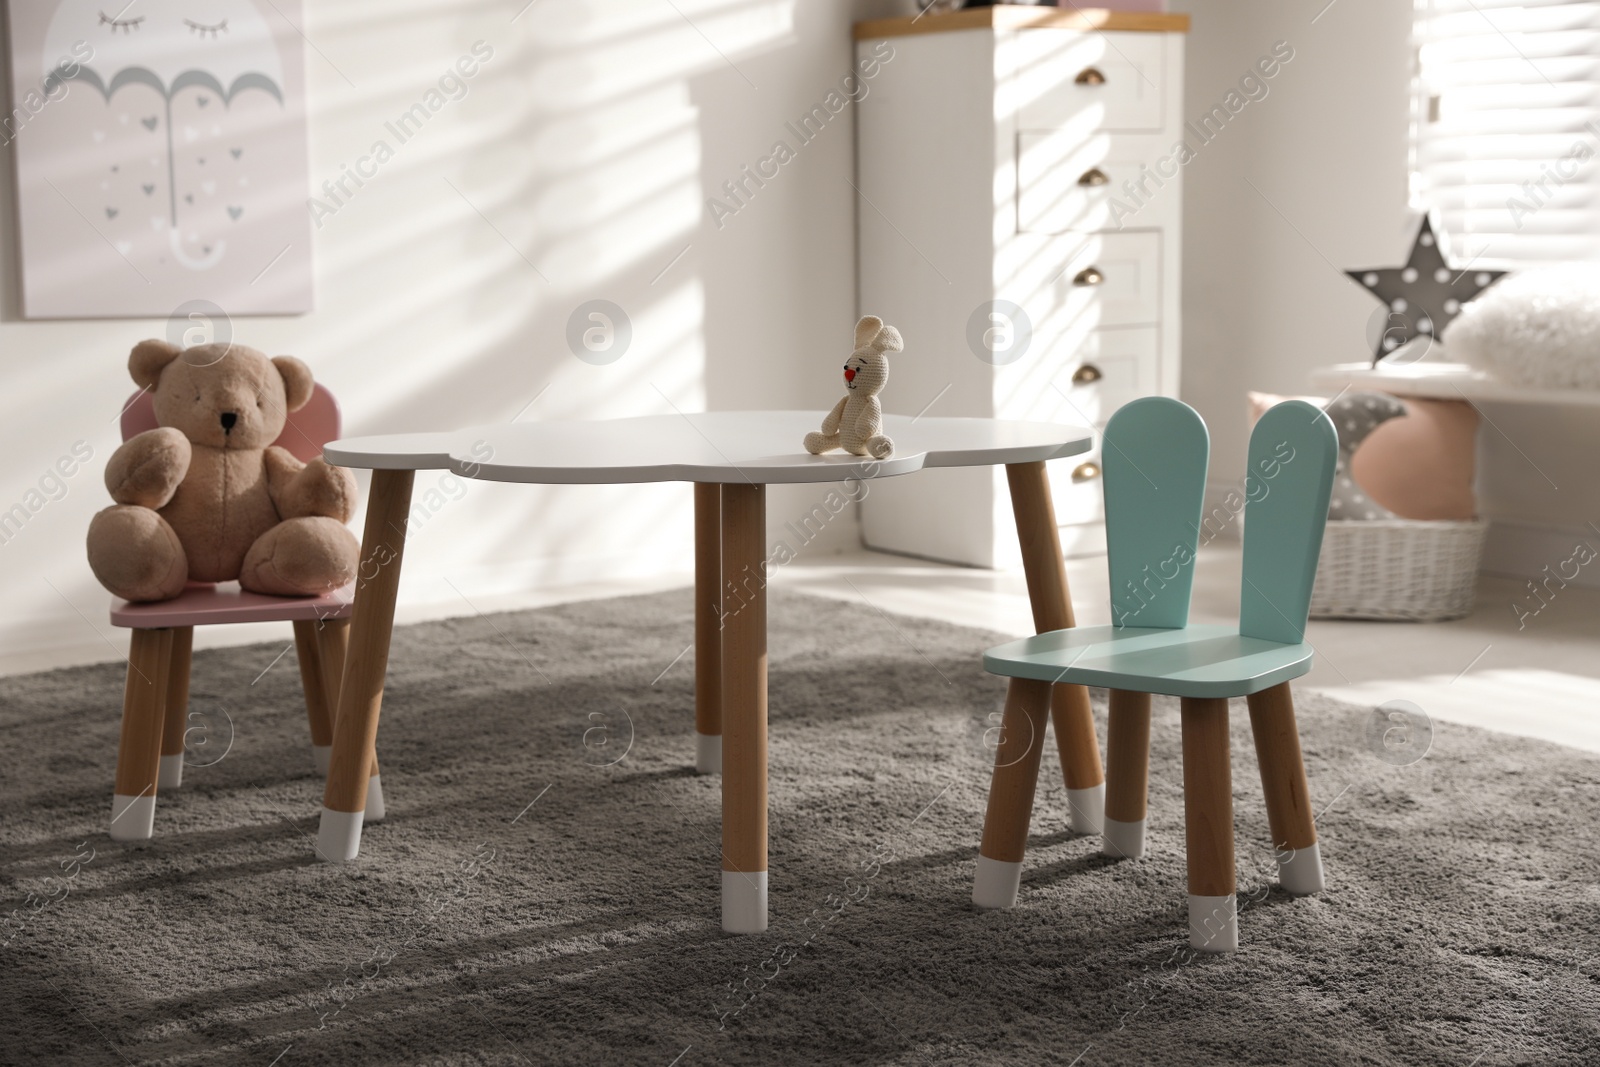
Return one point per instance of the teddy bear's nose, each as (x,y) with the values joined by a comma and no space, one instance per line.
(849,374)
(228,419)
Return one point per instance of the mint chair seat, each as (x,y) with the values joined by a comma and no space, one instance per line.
(1154,461)
(1196,661)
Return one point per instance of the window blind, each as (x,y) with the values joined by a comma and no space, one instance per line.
(1506,128)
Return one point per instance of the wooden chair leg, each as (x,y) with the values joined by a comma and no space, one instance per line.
(1127,774)
(1046,570)
(1283,780)
(1016,776)
(314,682)
(333,643)
(133,801)
(1079,750)
(744,710)
(355,727)
(170,775)
(708,627)
(1208,825)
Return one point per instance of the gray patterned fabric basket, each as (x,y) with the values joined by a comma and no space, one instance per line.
(1398,569)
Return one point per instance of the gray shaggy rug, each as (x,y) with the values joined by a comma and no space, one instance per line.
(545,888)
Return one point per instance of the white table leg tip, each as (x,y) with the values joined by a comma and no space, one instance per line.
(1087,809)
(708,753)
(320,754)
(996,883)
(1213,923)
(744,902)
(133,818)
(339,835)
(1123,840)
(170,776)
(375,810)
(1300,870)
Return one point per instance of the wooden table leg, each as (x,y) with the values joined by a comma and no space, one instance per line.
(177,708)
(744,709)
(1283,780)
(708,627)
(1016,775)
(1046,571)
(355,727)
(1208,825)
(333,643)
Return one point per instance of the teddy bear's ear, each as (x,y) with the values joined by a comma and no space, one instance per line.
(867,329)
(888,340)
(148,359)
(297,381)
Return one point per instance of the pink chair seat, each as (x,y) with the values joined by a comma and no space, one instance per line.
(211,605)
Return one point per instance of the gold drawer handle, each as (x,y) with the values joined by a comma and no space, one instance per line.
(1086,472)
(1086,374)
(1089,76)
(1088,276)
(1094,176)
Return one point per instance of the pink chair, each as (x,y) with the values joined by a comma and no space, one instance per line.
(156,699)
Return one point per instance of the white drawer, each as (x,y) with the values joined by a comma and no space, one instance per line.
(1107,369)
(1104,81)
(1107,279)
(1065,183)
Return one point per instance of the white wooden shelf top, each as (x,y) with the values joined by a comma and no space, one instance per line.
(1443,381)
(762,447)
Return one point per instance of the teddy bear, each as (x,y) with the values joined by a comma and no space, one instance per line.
(207,497)
(856,422)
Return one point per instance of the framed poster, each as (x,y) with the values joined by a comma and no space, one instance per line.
(161,156)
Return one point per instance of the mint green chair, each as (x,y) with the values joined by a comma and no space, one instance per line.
(1154,461)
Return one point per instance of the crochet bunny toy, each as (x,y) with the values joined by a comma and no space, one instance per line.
(856,422)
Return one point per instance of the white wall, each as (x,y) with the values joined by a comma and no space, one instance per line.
(589,141)
(1301,184)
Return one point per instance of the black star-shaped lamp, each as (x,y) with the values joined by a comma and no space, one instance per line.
(1422,296)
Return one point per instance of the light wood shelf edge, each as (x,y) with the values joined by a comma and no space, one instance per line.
(1017,16)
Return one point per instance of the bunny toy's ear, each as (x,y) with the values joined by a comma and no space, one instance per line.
(867,329)
(888,340)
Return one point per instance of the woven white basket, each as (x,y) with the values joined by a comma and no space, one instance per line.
(1398,569)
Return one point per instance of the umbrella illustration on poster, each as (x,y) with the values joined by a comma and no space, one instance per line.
(199,58)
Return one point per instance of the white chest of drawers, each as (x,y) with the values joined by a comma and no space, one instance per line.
(1018,222)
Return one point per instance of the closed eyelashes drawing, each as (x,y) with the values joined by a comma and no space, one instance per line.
(124,25)
(202,30)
